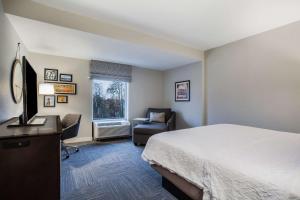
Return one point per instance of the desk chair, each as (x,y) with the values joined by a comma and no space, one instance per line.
(70,125)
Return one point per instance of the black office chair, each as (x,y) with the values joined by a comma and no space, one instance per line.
(70,125)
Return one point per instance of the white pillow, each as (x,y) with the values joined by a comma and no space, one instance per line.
(157,117)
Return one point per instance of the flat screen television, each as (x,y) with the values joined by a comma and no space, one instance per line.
(30,102)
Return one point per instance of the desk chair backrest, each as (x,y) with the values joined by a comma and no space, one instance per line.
(70,125)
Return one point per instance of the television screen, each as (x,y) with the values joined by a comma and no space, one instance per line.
(30,91)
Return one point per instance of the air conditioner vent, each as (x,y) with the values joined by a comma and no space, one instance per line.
(109,124)
(111,129)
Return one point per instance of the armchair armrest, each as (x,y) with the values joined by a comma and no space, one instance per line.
(171,123)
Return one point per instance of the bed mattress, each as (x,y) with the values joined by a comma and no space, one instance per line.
(230,161)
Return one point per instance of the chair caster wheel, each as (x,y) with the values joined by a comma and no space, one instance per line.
(136,144)
(67,157)
(77,150)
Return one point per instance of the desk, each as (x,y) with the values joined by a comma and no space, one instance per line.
(30,160)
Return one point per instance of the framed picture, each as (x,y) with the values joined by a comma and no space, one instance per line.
(182,91)
(62,99)
(65,88)
(51,74)
(49,101)
(66,77)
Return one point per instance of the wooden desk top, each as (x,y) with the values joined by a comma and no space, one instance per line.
(51,127)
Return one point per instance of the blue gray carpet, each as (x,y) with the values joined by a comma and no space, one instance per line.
(113,171)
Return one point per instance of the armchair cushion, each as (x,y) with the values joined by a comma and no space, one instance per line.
(150,129)
(167,112)
(157,117)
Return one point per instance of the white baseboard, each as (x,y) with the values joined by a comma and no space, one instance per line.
(78,139)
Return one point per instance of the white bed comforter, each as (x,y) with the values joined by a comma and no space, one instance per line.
(231,162)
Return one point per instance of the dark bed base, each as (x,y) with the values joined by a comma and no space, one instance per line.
(178,186)
(170,187)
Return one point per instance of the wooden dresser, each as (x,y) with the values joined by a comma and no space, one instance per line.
(30,161)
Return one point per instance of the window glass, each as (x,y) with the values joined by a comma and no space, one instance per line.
(109,100)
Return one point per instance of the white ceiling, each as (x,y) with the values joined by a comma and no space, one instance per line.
(50,39)
(202,24)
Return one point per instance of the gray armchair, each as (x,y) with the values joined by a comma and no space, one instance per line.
(70,125)
(142,132)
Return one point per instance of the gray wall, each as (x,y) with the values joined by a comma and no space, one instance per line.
(8,46)
(256,81)
(189,114)
(145,90)
(80,103)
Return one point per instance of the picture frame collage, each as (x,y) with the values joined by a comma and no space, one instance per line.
(63,86)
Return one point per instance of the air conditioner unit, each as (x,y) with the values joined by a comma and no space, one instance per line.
(105,130)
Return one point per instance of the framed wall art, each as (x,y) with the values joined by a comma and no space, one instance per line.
(65,88)
(49,101)
(66,77)
(51,74)
(182,91)
(62,99)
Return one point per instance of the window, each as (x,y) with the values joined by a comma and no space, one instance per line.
(109,100)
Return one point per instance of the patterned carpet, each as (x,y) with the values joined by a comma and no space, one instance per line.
(111,171)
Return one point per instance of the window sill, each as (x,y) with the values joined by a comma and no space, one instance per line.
(109,120)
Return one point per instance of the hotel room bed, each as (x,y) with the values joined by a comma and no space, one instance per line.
(229,162)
